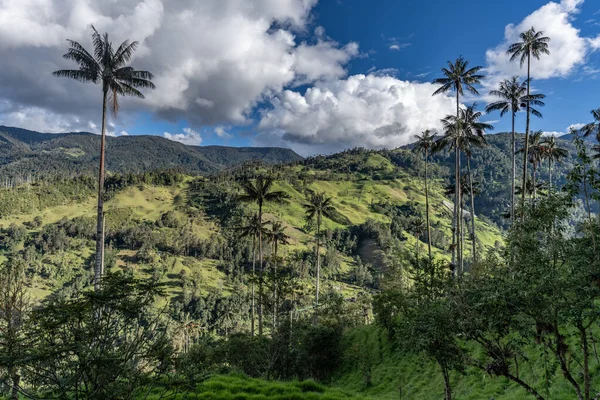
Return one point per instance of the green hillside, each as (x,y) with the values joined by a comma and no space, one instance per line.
(30,155)
(66,209)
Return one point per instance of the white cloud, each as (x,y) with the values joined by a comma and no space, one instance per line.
(221,132)
(399,46)
(369,111)
(567,47)
(189,137)
(213,60)
(576,127)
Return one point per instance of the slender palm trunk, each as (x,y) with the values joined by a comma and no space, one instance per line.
(457,200)
(318,259)
(260,272)
(534,174)
(526,152)
(474,237)
(427,204)
(99,262)
(274,284)
(550,173)
(253,309)
(514,172)
(417,248)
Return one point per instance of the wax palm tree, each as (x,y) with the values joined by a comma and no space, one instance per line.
(513,95)
(458,77)
(253,228)
(260,192)
(417,227)
(276,236)
(533,44)
(536,152)
(318,206)
(425,143)
(593,127)
(553,153)
(109,68)
(470,135)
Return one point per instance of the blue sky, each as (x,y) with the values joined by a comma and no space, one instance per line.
(316,76)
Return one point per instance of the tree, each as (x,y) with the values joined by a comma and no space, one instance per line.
(593,127)
(109,68)
(14,309)
(514,98)
(253,228)
(260,192)
(532,44)
(417,226)
(103,344)
(535,155)
(552,152)
(470,134)
(425,143)
(276,236)
(457,77)
(318,206)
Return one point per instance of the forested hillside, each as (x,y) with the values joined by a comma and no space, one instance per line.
(28,154)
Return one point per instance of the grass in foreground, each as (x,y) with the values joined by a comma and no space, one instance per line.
(237,387)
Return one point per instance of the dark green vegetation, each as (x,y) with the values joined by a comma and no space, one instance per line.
(32,155)
(221,286)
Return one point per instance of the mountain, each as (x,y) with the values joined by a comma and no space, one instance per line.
(24,152)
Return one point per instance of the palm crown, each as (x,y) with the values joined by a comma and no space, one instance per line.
(260,191)
(593,127)
(277,233)
(108,67)
(532,43)
(425,141)
(318,205)
(252,228)
(458,77)
(470,130)
(551,150)
(513,95)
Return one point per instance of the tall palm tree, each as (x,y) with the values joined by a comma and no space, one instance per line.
(276,236)
(532,44)
(417,226)
(513,95)
(458,77)
(260,192)
(593,127)
(253,228)
(318,206)
(536,152)
(552,152)
(425,143)
(109,68)
(470,135)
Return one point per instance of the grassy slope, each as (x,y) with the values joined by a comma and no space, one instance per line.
(237,387)
(352,198)
(414,377)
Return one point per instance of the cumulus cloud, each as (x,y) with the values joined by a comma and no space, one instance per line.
(214,60)
(362,110)
(188,136)
(567,47)
(575,127)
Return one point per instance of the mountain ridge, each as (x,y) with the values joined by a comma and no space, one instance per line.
(24,152)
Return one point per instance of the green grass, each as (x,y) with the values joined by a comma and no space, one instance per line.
(237,387)
(395,375)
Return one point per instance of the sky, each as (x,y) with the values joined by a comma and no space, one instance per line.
(317,76)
